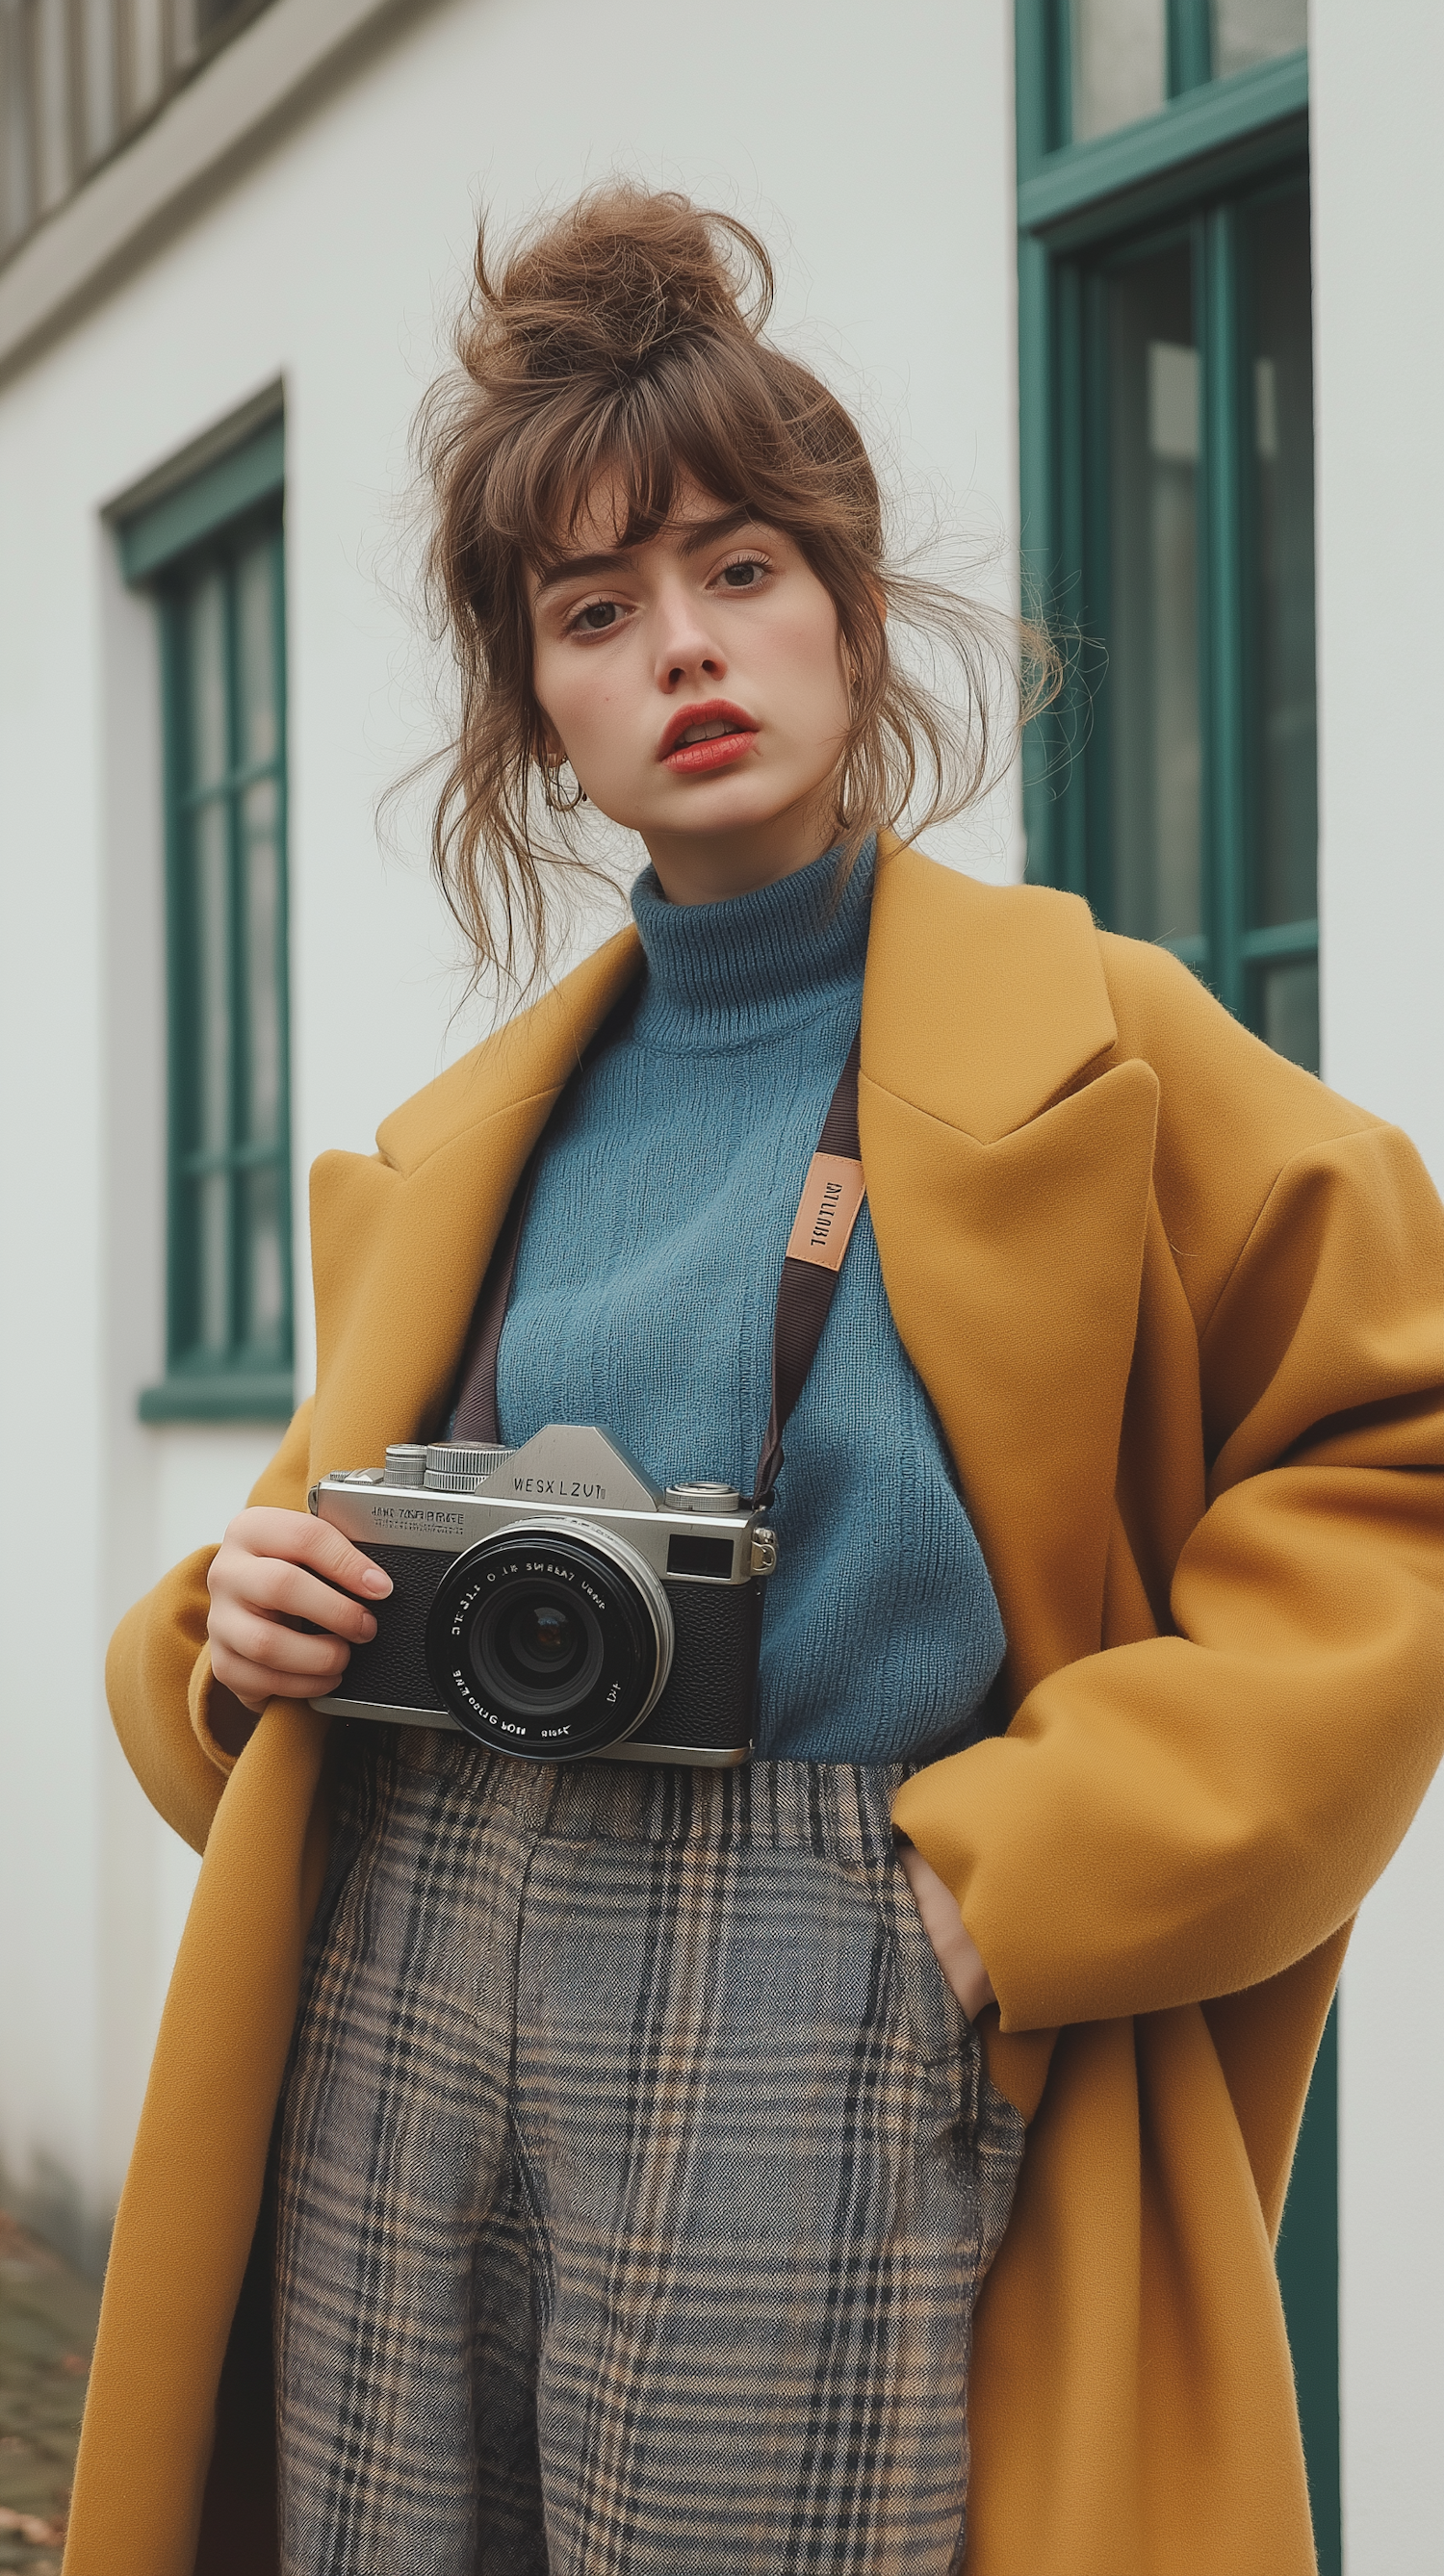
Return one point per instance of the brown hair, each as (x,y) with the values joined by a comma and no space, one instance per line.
(624,340)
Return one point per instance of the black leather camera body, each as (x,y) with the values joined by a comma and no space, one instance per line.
(550,1603)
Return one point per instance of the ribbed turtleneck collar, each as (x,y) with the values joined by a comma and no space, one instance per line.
(740,972)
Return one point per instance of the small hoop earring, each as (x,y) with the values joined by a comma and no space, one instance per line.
(557,803)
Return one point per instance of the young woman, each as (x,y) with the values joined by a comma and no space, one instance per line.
(608,2155)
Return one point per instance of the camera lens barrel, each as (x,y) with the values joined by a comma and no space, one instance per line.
(551,1639)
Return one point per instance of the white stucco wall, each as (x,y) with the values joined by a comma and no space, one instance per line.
(1376,77)
(875,152)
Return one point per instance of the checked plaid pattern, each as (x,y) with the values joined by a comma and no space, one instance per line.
(637,2174)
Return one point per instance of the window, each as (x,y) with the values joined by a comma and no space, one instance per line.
(1168,463)
(210,553)
(1166,408)
(79,77)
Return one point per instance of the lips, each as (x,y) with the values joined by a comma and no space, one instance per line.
(706,737)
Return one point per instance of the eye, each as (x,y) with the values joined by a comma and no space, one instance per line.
(597,617)
(747,573)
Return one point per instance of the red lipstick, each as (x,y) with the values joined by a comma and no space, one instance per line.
(730,742)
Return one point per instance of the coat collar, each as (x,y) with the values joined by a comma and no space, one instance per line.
(981,1004)
(529,1058)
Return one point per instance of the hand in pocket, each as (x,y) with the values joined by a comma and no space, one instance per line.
(954,1948)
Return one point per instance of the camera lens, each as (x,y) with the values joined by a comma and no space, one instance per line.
(536,1649)
(543,1638)
(549,1639)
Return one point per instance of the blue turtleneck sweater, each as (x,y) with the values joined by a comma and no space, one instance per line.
(644,1300)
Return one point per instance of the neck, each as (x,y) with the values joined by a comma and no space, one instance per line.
(708,867)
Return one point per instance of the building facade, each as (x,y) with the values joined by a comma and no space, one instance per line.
(1134,297)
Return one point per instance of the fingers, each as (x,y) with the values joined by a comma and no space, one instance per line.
(283,1591)
(954,1948)
(285,1566)
(295,1662)
(277,1575)
(253,1684)
(300,1539)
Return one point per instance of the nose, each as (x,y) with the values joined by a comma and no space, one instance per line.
(687,650)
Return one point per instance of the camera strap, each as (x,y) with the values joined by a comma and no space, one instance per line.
(827,1211)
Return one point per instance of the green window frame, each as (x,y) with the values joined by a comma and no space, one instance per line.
(1189,175)
(1221,167)
(210,554)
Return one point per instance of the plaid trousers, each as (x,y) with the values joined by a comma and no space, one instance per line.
(636,2176)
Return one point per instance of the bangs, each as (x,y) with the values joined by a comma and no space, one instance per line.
(736,422)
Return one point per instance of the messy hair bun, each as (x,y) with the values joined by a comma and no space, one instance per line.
(618,280)
(624,340)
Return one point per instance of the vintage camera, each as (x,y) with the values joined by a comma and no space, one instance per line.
(548,1602)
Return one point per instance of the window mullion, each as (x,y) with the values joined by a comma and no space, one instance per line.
(1038,562)
(1190,49)
(1090,850)
(180,1221)
(1221,594)
(1070,832)
(235,910)
(283,968)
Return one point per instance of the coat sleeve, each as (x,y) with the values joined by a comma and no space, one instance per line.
(1180,1817)
(158,1671)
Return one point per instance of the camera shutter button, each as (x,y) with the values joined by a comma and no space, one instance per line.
(701,1494)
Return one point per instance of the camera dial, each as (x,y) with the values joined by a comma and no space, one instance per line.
(551,1639)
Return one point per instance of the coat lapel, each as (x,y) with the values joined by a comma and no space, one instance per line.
(1009,1195)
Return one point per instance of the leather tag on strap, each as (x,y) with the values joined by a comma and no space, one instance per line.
(832,1195)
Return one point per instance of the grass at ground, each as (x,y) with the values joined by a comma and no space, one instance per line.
(47,2328)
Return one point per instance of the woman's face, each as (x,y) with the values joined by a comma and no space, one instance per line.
(697,686)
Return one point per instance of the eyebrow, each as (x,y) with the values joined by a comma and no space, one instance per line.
(704,533)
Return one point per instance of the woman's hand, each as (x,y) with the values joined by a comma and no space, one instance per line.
(957,1952)
(272,1582)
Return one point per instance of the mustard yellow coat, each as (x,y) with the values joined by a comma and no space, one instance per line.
(1177,1307)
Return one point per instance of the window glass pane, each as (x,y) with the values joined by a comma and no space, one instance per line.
(257,570)
(213,1264)
(1288,1012)
(210,744)
(1248,32)
(1154,749)
(99,76)
(16,156)
(1119,51)
(1286,810)
(145,64)
(210,1124)
(260,842)
(265,1286)
(52,98)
